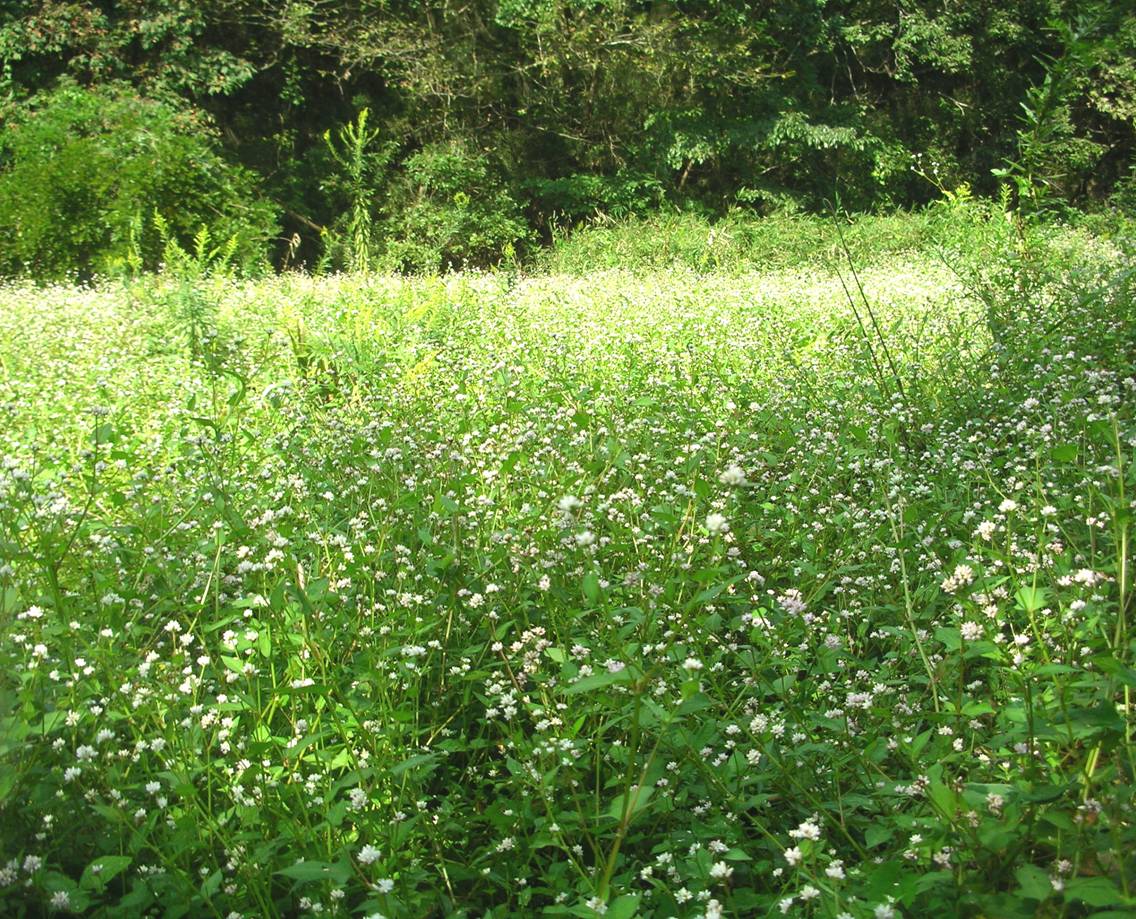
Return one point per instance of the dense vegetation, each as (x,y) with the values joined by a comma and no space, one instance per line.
(463,459)
(676,589)
(431,133)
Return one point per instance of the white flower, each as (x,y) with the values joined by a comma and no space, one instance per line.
(720,871)
(384,885)
(793,856)
(692,664)
(61,899)
(807,830)
(792,601)
(369,855)
(568,503)
(963,575)
(585,538)
(733,476)
(716,523)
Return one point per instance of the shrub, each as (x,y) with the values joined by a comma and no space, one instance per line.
(450,211)
(570,200)
(83,171)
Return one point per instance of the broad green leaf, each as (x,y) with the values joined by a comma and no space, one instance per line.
(623,907)
(598,681)
(306,871)
(1034,882)
(592,587)
(1098,891)
(1031,599)
(638,798)
(102,869)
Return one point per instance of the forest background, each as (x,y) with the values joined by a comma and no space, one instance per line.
(463,133)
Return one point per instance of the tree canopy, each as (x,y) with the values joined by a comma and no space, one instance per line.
(564,109)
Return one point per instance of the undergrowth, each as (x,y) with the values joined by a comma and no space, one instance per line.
(677,592)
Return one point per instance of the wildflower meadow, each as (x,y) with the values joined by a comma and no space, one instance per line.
(666,591)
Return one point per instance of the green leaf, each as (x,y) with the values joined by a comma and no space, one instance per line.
(1034,882)
(264,642)
(315,871)
(1064,453)
(623,907)
(920,742)
(592,587)
(950,637)
(1031,599)
(102,869)
(639,796)
(211,884)
(1113,667)
(1114,914)
(598,681)
(944,799)
(1094,891)
(414,762)
(877,834)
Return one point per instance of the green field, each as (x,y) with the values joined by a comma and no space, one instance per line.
(669,592)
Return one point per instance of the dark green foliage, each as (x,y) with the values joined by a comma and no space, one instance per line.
(84,171)
(450,211)
(608,109)
(573,199)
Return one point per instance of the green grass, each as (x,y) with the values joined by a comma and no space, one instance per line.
(688,590)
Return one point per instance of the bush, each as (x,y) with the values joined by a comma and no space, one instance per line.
(450,211)
(570,200)
(83,171)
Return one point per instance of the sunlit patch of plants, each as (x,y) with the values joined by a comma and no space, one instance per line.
(667,594)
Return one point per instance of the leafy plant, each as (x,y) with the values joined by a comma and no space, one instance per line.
(1051,157)
(362,160)
(450,211)
(78,166)
(634,593)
